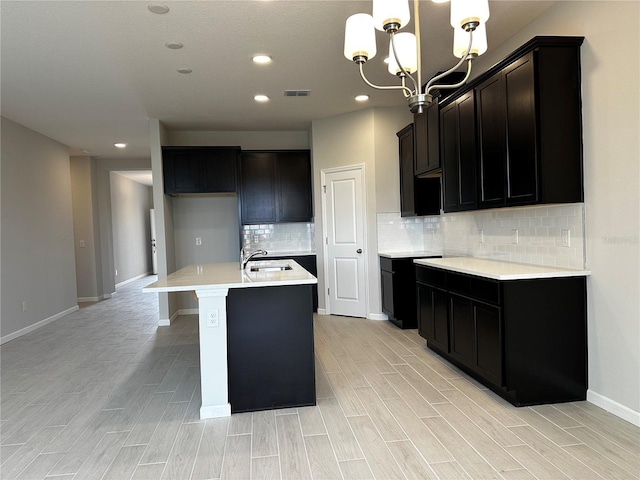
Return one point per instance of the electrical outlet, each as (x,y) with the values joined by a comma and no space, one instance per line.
(514,236)
(24,306)
(565,236)
(288,238)
(481,236)
(81,243)
(198,241)
(212,318)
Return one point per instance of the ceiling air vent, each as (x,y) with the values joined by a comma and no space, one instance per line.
(297,93)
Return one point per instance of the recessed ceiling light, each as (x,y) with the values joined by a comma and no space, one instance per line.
(362,98)
(262,59)
(85,151)
(120,145)
(386,60)
(261,98)
(184,70)
(158,8)
(439,1)
(174,45)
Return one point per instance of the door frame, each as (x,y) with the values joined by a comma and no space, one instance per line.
(360,167)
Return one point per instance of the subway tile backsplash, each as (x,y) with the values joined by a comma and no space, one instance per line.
(519,234)
(280,237)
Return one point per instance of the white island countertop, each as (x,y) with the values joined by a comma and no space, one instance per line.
(499,270)
(229,275)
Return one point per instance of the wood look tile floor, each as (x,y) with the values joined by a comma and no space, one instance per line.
(106,394)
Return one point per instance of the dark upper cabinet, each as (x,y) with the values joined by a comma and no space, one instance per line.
(530,127)
(427,141)
(197,170)
(294,186)
(458,153)
(275,187)
(418,196)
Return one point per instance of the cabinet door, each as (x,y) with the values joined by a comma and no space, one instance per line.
(294,187)
(258,183)
(489,357)
(468,153)
(427,133)
(181,172)
(449,156)
(407,192)
(522,152)
(387,292)
(432,316)
(492,135)
(458,154)
(219,170)
(462,329)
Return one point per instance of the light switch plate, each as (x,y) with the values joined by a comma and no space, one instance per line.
(565,236)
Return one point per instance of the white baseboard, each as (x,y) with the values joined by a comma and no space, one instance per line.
(614,407)
(88,299)
(188,311)
(108,295)
(378,316)
(35,326)
(132,280)
(166,322)
(215,411)
(322,311)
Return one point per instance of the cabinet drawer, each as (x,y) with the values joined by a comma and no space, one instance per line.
(476,288)
(431,276)
(386,264)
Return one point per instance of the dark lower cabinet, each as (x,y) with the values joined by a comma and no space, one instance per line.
(398,279)
(524,339)
(270,348)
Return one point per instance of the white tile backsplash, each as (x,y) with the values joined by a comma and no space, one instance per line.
(280,237)
(458,234)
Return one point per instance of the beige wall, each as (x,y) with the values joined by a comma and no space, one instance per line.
(38,260)
(86,229)
(364,137)
(130,209)
(611,122)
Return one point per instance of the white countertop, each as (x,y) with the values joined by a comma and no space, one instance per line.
(414,254)
(285,254)
(229,275)
(499,270)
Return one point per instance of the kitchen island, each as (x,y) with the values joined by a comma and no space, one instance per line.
(255,331)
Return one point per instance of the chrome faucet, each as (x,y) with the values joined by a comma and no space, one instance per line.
(245,259)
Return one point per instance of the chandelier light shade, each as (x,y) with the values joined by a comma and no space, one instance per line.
(465,12)
(405,44)
(468,18)
(359,37)
(390,12)
(461,41)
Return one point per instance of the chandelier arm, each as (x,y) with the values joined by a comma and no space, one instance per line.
(416,21)
(402,70)
(461,82)
(452,69)
(406,89)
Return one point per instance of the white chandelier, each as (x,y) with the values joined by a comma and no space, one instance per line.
(468,18)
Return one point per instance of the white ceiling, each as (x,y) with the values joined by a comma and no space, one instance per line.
(91,73)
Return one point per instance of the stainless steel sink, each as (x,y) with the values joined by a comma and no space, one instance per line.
(270,268)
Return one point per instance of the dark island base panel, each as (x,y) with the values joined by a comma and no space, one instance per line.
(270,348)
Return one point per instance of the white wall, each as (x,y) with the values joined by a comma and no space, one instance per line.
(611,122)
(130,208)
(38,261)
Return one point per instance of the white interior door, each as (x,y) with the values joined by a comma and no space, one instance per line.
(154,250)
(345,239)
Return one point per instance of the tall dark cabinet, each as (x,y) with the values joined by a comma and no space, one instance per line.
(418,196)
(458,153)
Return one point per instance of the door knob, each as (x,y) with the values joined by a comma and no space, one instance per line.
(359,250)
